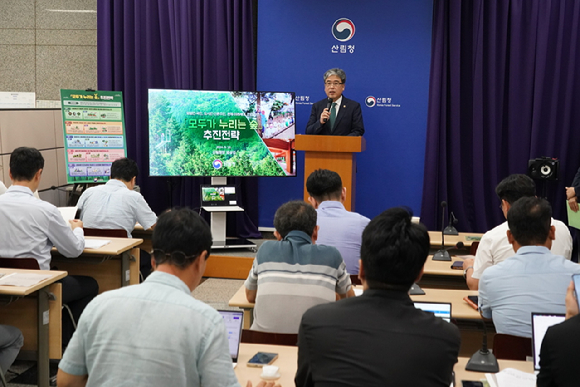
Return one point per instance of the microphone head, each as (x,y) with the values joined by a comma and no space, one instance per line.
(443,204)
(459,245)
(329,100)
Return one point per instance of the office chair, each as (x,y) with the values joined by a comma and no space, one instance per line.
(355,280)
(111,233)
(510,347)
(256,337)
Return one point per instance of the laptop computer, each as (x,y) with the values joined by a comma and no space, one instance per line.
(234,322)
(219,198)
(439,309)
(540,324)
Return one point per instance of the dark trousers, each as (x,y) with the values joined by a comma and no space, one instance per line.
(77,292)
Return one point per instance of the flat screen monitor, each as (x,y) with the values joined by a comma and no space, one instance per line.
(221,133)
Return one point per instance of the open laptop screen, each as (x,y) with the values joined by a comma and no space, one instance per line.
(234,322)
(540,324)
(439,309)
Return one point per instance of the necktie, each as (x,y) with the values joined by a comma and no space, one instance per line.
(332,116)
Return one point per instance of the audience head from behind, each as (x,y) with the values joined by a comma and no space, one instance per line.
(124,169)
(25,164)
(512,188)
(296,215)
(529,220)
(181,241)
(322,185)
(393,251)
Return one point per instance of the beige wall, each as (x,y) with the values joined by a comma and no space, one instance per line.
(43,49)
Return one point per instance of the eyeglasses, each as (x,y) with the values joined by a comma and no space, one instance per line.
(335,84)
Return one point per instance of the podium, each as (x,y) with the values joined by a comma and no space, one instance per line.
(336,153)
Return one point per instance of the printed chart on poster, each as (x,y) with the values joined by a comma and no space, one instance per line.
(94,133)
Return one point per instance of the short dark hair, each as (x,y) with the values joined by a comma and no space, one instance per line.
(514,187)
(124,169)
(393,249)
(529,220)
(179,237)
(25,162)
(296,215)
(324,184)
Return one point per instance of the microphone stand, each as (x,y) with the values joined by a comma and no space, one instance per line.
(483,360)
(451,230)
(442,254)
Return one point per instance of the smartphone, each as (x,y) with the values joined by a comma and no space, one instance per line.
(471,383)
(576,279)
(262,358)
(457,265)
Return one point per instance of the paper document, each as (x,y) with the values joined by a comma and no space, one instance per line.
(510,377)
(96,243)
(23,279)
(67,213)
(573,217)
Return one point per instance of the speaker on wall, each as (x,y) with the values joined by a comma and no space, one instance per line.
(544,168)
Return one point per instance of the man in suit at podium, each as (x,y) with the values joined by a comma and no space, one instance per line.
(335,115)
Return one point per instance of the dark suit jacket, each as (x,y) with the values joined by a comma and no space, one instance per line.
(559,355)
(349,121)
(376,339)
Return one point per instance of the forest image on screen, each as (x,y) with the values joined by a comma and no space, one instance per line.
(221,133)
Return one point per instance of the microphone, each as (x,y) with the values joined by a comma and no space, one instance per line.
(450,230)
(328,105)
(442,254)
(483,360)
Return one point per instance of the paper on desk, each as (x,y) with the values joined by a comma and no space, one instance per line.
(510,377)
(573,217)
(96,243)
(23,279)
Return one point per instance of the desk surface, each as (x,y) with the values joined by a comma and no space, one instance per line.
(452,240)
(459,308)
(117,246)
(288,360)
(443,268)
(26,290)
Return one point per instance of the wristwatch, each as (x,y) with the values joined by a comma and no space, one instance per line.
(465,271)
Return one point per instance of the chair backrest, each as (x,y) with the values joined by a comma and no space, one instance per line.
(355,280)
(256,337)
(112,233)
(473,248)
(509,347)
(19,263)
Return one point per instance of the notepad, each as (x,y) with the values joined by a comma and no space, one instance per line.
(23,279)
(96,243)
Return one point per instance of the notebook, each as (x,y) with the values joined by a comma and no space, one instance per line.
(540,324)
(219,197)
(234,322)
(439,309)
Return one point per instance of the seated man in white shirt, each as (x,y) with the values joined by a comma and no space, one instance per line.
(115,205)
(338,227)
(533,280)
(31,227)
(494,246)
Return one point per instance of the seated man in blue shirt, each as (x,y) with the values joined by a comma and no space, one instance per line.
(30,228)
(533,280)
(338,227)
(292,274)
(186,342)
(115,205)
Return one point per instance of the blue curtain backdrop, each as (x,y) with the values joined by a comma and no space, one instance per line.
(504,88)
(387,58)
(176,44)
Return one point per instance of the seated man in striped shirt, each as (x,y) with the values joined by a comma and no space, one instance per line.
(292,274)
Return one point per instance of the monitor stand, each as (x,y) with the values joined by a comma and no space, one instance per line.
(218,224)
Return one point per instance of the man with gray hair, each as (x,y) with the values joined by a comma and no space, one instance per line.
(335,115)
(292,274)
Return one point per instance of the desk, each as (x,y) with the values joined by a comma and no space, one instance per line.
(439,274)
(452,240)
(37,316)
(288,363)
(139,232)
(113,265)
